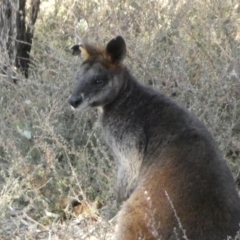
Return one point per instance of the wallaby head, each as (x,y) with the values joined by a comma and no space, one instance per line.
(100,78)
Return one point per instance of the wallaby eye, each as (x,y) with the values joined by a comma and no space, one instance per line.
(98,81)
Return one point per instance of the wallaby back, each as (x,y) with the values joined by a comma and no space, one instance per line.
(171,176)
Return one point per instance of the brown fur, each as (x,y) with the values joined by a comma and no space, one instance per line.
(170,173)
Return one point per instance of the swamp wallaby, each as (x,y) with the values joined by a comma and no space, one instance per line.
(171,178)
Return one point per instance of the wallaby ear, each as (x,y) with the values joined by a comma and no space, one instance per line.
(116,50)
(85,53)
(85,50)
(75,50)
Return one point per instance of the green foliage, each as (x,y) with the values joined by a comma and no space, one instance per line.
(190,51)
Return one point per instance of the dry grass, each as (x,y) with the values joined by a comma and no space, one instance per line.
(188,50)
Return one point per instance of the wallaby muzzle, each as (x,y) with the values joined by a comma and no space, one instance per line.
(75,101)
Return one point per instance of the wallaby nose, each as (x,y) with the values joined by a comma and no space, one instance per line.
(75,101)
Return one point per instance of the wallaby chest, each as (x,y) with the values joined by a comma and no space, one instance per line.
(125,137)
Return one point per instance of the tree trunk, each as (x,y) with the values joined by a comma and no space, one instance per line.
(15,34)
(7,36)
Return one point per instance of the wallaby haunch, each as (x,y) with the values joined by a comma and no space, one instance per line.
(171,177)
